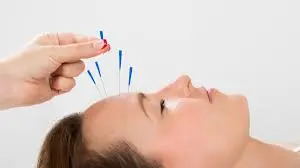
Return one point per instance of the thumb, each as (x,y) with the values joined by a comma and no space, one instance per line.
(75,52)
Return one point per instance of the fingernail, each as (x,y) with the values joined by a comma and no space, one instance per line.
(105,43)
(99,45)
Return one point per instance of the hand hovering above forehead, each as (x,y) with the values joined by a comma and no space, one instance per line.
(47,67)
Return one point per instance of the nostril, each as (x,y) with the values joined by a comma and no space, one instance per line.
(189,84)
(187,92)
(188,87)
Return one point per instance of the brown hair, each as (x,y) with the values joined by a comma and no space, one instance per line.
(64,147)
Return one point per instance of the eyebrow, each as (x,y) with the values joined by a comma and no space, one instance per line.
(141,97)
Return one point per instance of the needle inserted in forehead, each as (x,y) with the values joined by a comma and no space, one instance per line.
(120,66)
(129,78)
(93,80)
(99,72)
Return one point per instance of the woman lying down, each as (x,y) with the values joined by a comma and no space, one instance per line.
(180,126)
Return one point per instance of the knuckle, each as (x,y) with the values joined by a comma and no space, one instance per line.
(55,62)
(90,45)
(54,38)
(47,38)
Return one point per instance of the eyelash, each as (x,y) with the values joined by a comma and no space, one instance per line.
(162,106)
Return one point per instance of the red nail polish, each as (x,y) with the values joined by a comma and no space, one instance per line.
(105,43)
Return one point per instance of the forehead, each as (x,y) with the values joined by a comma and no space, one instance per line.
(111,103)
(110,107)
(112,119)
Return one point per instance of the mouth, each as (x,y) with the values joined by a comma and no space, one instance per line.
(208,95)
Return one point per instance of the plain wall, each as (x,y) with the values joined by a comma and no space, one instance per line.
(247,47)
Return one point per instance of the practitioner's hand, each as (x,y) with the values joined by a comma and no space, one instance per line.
(46,68)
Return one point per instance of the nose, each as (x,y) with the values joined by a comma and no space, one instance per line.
(182,85)
(180,88)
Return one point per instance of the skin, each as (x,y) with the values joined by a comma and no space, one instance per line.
(196,129)
(45,68)
(261,155)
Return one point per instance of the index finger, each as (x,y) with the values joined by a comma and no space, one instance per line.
(71,38)
(63,38)
(75,52)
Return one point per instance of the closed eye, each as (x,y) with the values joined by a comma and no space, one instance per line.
(162,106)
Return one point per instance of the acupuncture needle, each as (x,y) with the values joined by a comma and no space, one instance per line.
(129,78)
(120,67)
(93,80)
(100,75)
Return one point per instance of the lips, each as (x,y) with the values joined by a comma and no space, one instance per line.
(208,95)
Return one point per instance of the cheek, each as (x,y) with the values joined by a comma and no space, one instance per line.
(187,134)
(188,121)
(185,127)
(203,132)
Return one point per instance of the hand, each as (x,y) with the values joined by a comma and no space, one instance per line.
(46,68)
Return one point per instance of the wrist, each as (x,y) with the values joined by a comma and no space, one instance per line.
(7,99)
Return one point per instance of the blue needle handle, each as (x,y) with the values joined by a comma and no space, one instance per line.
(130,75)
(101,35)
(120,59)
(98,68)
(91,76)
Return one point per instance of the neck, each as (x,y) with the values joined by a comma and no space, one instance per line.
(261,155)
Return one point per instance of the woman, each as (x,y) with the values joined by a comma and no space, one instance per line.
(179,126)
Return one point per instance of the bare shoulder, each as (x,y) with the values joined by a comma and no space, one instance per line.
(293,146)
(297,149)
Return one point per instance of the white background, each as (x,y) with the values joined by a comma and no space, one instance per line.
(247,47)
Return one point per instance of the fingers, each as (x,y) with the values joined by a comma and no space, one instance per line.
(69,38)
(75,52)
(63,38)
(70,70)
(62,84)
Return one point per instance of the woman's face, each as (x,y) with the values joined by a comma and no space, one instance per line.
(181,125)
